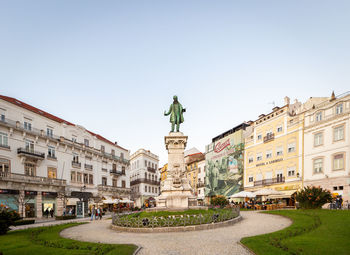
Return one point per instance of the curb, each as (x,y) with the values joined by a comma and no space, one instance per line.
(137,250)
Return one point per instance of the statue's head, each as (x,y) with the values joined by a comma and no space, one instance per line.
(175,98)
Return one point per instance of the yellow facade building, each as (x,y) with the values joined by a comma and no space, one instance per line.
(192,169)
(273,156)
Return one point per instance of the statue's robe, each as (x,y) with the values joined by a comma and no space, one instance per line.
(176,109)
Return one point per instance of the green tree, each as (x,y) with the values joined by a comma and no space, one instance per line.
(312,197)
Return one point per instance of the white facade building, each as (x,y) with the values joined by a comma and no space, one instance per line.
(144,177)
(201,180)
(327,144)
(46,161)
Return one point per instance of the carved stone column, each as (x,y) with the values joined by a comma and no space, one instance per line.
(39,205)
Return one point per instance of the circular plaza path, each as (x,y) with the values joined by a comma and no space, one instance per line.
(214,241)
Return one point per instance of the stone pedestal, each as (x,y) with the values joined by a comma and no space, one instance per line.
(176,191)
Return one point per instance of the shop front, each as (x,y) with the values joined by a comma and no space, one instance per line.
(9,198)
(29,203)
(49,203)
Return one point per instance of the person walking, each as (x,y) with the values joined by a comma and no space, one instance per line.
(92,212)
(51,212)
(97,213)
(100,213)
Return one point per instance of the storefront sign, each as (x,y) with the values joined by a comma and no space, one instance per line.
(269,162)
(49,194)
(30,193)
(9,191)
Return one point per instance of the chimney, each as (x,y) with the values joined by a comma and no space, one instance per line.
(332,96)
(116,143)
(286,100)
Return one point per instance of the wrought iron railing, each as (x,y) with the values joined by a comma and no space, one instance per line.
(24,151)
(7,176)
(144,180)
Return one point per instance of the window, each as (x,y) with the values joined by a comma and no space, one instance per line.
(51,152)
(27,125)
(75,158)
(102,148)
(49,132)
(250,179)
(29,169)
(29,145)
(114,182)
(112,152)
(145,175)
(291,172)
(318,165)
(339,109)
(341,187)
(338,133)
(335,188)
(152,189)
(4,167)
(72,176)
(250,159)
(291,147)
(104,181)
(338,161)
(279,151)
(86,142)
(51,173)
(269,154)
(2,117)
(318,139)
(123,184)
(74,139)
(259,137)
(259,157)
(199,169)
(279,177)
(318,116)
(86,178)
(122,155)
(3,140)
(114,167)
(79,179)
(123,169)
(145,188)
(91,179)
(279,129)
(149,189)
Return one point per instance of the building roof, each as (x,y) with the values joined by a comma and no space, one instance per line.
(191,151)
(52,117)
(230,131)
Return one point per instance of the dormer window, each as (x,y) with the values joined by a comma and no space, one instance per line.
(86,142)
(27,125)
(339,109)
(318,116)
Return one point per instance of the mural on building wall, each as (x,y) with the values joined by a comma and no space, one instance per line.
(224,168)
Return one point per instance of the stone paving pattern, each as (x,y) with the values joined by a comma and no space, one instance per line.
(215,241)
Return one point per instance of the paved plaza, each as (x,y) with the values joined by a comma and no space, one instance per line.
(216,241)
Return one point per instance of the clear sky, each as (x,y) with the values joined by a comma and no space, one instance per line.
(113,66)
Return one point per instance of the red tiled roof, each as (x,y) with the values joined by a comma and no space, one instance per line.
(52,117)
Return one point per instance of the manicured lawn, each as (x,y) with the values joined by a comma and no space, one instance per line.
(46,240)
(312,232)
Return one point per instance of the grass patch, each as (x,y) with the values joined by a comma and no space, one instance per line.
(312,232)
(46,240)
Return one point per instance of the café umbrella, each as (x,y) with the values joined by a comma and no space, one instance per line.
(267,192)
(243,194)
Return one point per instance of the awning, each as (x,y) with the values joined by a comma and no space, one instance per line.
(127,201)
(286,194)
(110,201)
(72,201)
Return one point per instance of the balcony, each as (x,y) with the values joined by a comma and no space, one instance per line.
(116,172)
(200,184)
(88,167)
(4,146)
(114,157)
(22,178)
(76,164)
(269,137)
(271,181)
(144,180)
(30,153)
(152,170)
(109,188)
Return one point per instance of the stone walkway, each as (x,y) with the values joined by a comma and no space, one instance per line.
(215,241)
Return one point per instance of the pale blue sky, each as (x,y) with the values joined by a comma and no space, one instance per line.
(113,66)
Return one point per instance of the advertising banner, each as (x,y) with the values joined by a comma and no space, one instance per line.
(224,166)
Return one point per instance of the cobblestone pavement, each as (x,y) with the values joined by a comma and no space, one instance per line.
(215,241)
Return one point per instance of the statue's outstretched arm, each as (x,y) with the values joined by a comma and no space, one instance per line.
(167,113)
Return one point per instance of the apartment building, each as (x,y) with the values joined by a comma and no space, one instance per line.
(144,177)
(327,144)
(48,162)
(274,150)
(192,158)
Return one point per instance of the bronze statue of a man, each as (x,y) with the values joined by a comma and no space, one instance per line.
(176,114)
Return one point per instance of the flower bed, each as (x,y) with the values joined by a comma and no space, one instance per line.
(159,220)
